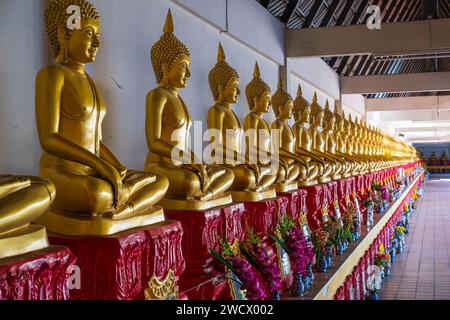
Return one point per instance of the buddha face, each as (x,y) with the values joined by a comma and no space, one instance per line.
(83,44)
(331,123)
(178,74)
(286,110)
(263,103)
(306,115)
(318,121)
(340,126)
(230,93)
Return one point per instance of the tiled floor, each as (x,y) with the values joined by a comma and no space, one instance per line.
(422,271)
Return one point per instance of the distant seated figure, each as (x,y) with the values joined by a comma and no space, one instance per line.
(90,181)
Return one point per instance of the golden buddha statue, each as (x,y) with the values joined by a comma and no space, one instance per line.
(354,140)
(341,145)
(252,182)
(303,142)
(347,138)
(283,104)
(22,200)
(193,185)
(258,136)
(95,193)
(368,144)
(329,132)
(318,140)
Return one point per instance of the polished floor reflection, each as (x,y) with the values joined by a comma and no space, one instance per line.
(422,272)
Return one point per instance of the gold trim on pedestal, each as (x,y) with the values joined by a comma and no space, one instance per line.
(68,224)
(165,289)
(308,183)
(23,240)
(324,179)
(285,187)
(253,196)
(195,205)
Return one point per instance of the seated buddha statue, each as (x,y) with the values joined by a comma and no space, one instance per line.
(193,185)
(341,147)
(318,139)
(258,136)
(283,104)
(355,146)
(318,168)
(329,132)
(22,200)
(433,159)
(364,139)
(347,137)
(368,141)
(95,193)
(252,182)
(444,159)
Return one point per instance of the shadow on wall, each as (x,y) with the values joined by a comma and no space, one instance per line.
(23,52)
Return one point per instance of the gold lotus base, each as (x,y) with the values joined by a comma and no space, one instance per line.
(285,187)
(252,196)
(195,205)
(23,240)
(308,183)
(63,223)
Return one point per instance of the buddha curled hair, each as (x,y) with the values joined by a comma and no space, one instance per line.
(256,87)
(316,109)
(280,98)
(56,17)
(167,49)
(221,74)
(300,103)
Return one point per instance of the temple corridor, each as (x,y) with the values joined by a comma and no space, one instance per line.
(422,272)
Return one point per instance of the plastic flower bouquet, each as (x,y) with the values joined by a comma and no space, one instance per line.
(256,254)
(241,268)
(382,258)
(289,235)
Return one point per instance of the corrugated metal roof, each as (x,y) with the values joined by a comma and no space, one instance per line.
(298,14)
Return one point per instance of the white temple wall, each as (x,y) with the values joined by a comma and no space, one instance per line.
(123,69)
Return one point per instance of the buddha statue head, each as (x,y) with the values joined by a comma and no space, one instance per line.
(348,125)
(354,126)
(79,44)
(329,117)
(282,102)
(302,108)
(223,80)
(317,112)
(258,93)
(340,120)
(170,58)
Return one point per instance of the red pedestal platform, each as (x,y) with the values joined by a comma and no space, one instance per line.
(202,230)
(262,216)
(38,275)
(119,267)
(294,201)
(343,193)
(316,202)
